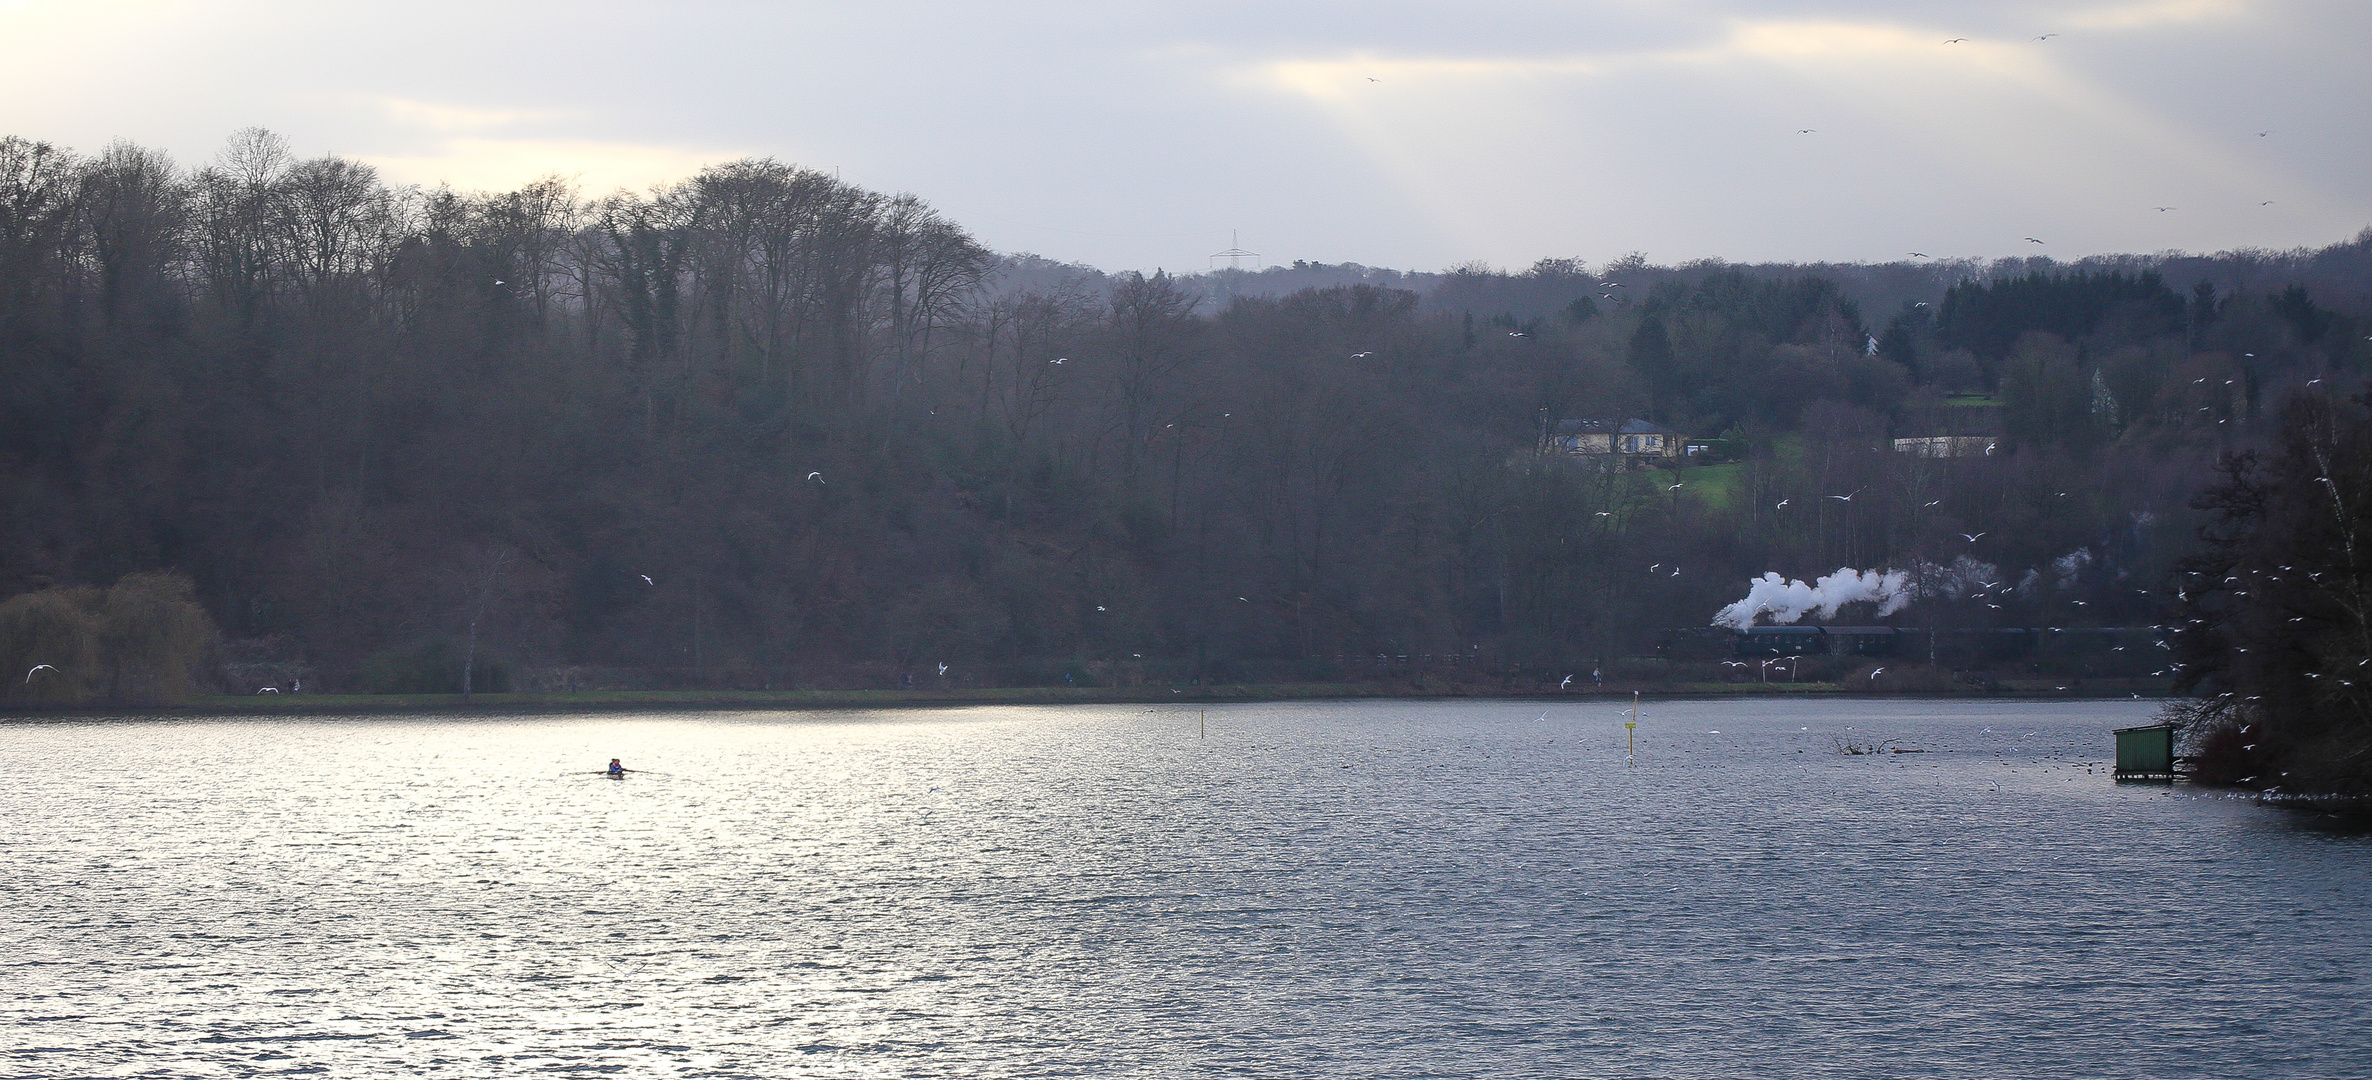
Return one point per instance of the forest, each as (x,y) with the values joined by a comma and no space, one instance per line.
(763,429)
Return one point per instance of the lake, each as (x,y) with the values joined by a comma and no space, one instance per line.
(1354,889)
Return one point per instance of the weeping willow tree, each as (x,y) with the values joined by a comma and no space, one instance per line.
(138,642)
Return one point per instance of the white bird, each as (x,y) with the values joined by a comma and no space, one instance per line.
(2162,209)
(1805,131)
(39,667)
(1925,505)
(1654,568)
(1846,497)
(816,476)
(2032,240)
(1058,359)
(2046,37)
(1675,487)
(268,690)
(1971,537)
(1954,41)
(1916,254)
(646,579)
(1874,675)
(1782,504)
(1361,355)
(942,668)
(1099,607)
(1568,682)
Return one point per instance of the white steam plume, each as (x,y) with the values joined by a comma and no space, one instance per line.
(1786,601)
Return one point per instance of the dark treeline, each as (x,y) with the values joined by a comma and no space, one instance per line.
(764,429)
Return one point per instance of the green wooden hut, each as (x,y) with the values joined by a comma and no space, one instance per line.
(2145,753)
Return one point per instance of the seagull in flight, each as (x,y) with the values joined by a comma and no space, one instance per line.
(1361,355)
(39,667)
(1874,675)
(2032,240)
(2046,37)
(1846,497)
(1058,359)
(1954,41)
(816,476)
(2162,209)
(1568,682)
(1782,504)
(1916,254)
(646,579)
(1806,131)
(1515,333)
(1971,538)
(942,667)
(1925,505)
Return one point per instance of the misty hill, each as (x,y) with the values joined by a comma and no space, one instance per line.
(2339,274)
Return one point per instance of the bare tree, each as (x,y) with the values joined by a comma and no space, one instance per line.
(485,578)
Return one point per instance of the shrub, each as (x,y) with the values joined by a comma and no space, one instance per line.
(429,666)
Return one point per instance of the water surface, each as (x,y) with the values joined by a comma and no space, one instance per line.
(1355,889)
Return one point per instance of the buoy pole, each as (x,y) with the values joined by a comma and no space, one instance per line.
(1205,723)
(1631,731)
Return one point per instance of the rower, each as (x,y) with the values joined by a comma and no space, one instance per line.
(616,768)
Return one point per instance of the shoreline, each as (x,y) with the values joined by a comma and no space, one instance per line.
(630,701)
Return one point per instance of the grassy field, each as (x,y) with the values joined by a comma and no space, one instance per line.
(1720,486)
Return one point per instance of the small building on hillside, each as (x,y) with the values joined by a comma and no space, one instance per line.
(1632,443)
(1947,445)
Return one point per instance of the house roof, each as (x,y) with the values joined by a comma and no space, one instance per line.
(1632,426)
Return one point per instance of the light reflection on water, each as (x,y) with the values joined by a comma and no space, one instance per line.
(1342,889)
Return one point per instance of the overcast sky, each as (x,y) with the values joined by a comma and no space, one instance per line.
(1410,135)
